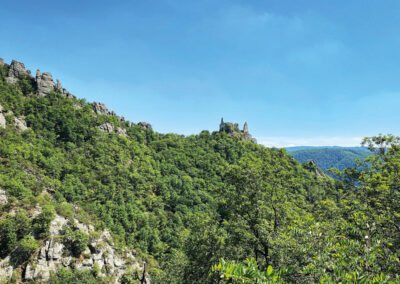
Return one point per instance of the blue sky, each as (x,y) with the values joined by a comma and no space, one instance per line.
(299,72)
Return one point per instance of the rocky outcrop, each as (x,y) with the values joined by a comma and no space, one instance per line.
(100,253)
(145,125)
(312,166)
(45,83)
(3,197)
(100,108)
(6,269)
(20,123)
(2,118)
(15,71)
(233,129)
(109,128)
(63,91)
(106,127)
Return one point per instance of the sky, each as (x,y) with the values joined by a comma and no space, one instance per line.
(299,72)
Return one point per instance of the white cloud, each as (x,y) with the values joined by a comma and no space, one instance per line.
(309,141)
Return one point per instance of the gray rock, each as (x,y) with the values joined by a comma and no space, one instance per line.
(59,87)
(100,108)
(1,61)
(109,128)
(66,261)
(3,197)
(2,117)
(45,83)
(55,250)
(16,69)
(145,125)
(106,127)
(29,272)
(50,256)
(57,224)
(120,131)
(6,269)
(2,120)
(20,123)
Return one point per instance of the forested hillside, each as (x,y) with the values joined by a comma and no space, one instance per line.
(332,157)
(206,208)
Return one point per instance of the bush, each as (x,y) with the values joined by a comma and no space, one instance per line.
(76,241)
(42,222)
(24,250)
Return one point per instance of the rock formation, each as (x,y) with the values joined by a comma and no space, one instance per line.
(20,123)
(145,125)
(3,197)
(15,71)
(45,83)
(312,166)
(233,129)
(2,118)
(100,108)
(54,255)
(109,128)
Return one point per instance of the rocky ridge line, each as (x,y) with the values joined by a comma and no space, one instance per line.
(44,85)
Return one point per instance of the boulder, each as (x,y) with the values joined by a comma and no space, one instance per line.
(3,197)
(2,118)
(45,83)
(109,128)
(145,125)
(106,127)
(20,123)
(120,131)
(57,224)
(100,108)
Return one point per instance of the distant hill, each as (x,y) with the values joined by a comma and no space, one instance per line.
(329,157)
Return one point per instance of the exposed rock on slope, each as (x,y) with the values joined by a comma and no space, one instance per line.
(100,108)
(145,125)
(233,129)
(53,254)
(108,127)
(312,166)
(19,122)
(15,71)
(3,197)
(2,118)
(45,83)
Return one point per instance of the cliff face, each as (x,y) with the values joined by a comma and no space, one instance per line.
(54,253)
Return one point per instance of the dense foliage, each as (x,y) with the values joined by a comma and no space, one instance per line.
(333,157)
(186,203)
